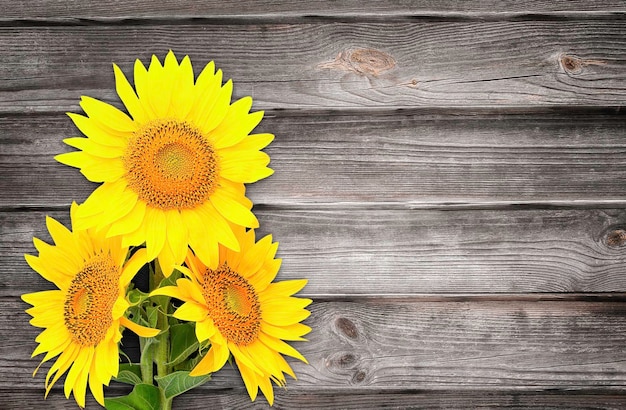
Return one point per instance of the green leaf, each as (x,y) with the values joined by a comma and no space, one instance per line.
(153,315)
(183,342)
(170,280)
(177,383)
(136,297)
(129,373)
(143,397)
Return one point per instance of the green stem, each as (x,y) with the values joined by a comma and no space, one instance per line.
(147,359)
(163,344)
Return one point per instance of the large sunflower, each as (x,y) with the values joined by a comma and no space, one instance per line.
(239,310)
(84,318)
(178,164)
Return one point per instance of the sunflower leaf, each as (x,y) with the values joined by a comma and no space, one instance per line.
(177,383)
(153,315)
(129,373)
(170,280)
(183,342)
(143,397)
(136,296)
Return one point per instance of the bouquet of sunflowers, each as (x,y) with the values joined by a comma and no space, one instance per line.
(171,201)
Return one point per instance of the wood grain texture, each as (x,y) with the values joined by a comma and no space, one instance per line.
(419,347)
(335,66)
(449,178)
(389,161)
(404,252)
(282,9)
(290,399)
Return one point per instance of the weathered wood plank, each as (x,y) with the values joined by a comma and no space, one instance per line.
(413,346)
(377,66)
(238,399)
(406,160)
(276,9)
(408,252)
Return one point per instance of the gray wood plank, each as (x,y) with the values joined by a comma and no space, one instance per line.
(419,160)
(275,9)
(348,253)
(289,399)
(416,346)
(339,66)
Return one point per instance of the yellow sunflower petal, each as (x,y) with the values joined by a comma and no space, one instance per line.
(95,384)
(266,388)
(135,238)
(95,149)
(214,360)
(105,170)
(172,291)
(82,359)
(218,225)
(101,355)
(130,222)
(76,159)
(44,297)
(233,210)
(207,86)
(280,346)
(97,202)
(254,257)
(249,379)
(191,311)
(177,235)
(124,204)
(243,358)
(158,88)
(236,125)
(205,329)
(108,114)
(98,132)
(190,290)
(279,316)
(129,97)
(166,260)
(138,329)
(155,231)
(247,166)
(119,308)
(203,241)
(183,98)
(218,110)
(293,332)
(254,142)
(283,288)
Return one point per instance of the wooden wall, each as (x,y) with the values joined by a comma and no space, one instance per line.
(450,177)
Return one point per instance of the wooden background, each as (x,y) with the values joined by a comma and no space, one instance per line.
(450,177)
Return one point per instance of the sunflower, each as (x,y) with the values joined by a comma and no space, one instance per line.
(238,308)
(178,162)
(83,319)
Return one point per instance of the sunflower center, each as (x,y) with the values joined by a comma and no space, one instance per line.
(233,304)
(170,165)
(90,299)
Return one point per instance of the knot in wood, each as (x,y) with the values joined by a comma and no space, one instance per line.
(359,376)
(363,61)
(616,238)
(571,64)
(370,61)
(347,327)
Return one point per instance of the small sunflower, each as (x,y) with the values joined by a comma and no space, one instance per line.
(238,308)
(179,161)
(83,319)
